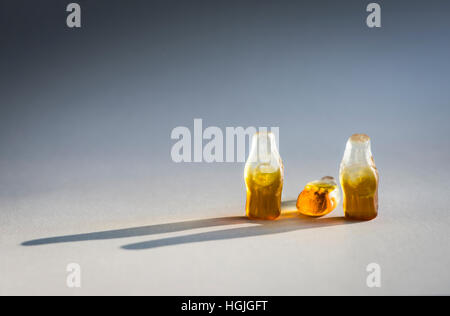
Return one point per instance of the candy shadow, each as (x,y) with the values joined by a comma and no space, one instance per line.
(282,225)
(289,221)
(138,231)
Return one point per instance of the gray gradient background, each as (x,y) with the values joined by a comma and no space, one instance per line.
(85,122)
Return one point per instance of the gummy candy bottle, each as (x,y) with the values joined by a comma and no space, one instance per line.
(264,178)
(359,179)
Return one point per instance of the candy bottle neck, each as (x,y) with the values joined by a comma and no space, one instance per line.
(264,148)
(358,151)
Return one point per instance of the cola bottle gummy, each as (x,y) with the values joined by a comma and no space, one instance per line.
(263,178)
(359,179)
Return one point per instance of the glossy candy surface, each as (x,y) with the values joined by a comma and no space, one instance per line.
(359,179)
(319,198)
(263,178)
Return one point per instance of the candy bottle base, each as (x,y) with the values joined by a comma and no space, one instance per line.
(361,208)
(261,206)
(360,218)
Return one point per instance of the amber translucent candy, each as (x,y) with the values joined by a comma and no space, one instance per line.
(263,194)
(263,178)
(319,198)
(359,179)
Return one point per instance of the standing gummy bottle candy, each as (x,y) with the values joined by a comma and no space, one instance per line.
(263,178)
(359,179)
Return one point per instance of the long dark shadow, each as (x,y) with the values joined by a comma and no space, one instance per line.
(139,231)
(282,225)
(289,221)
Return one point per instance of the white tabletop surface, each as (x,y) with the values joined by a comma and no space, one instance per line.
(182,232)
